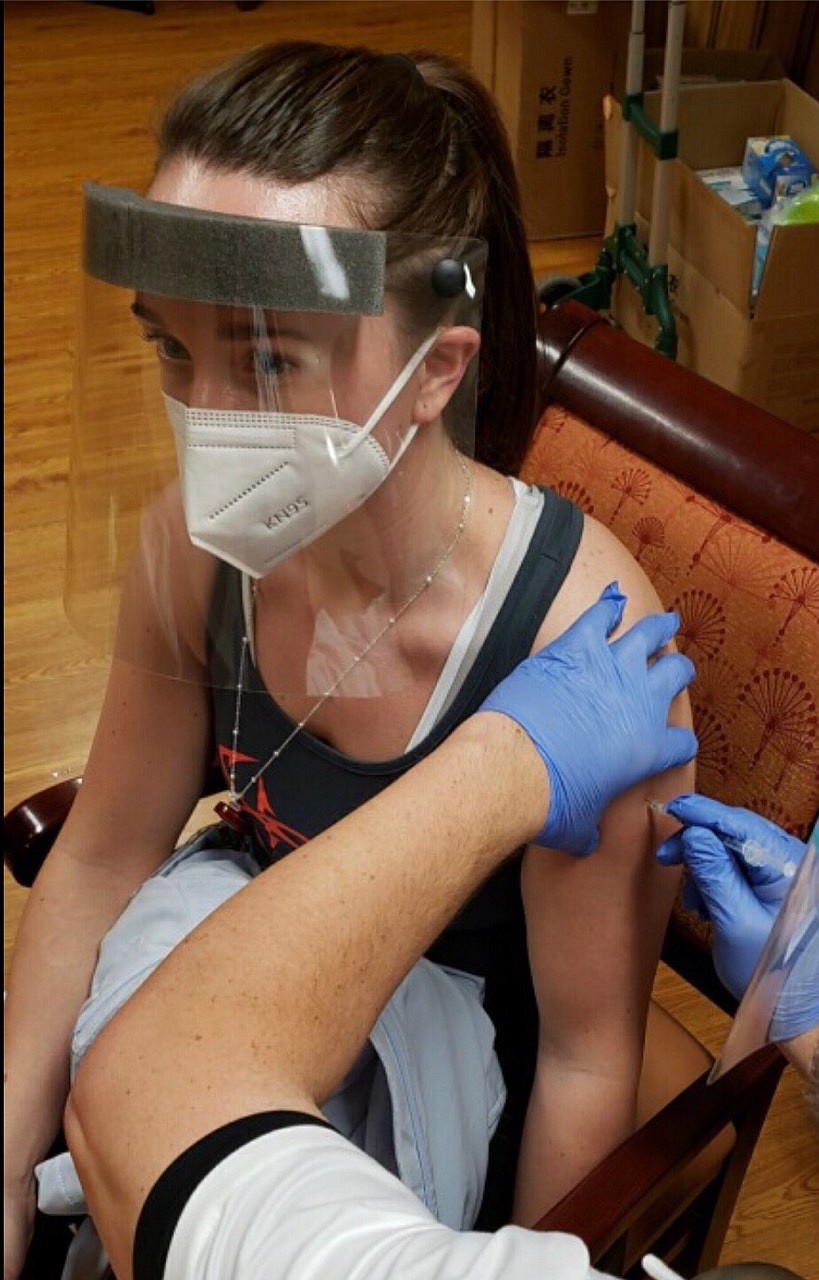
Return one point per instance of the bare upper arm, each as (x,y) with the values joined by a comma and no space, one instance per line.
(153,736)
(595,925)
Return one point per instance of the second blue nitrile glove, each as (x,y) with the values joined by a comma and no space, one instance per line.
(597,712)
(741,901)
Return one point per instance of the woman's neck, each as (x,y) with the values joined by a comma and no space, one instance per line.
(386,549)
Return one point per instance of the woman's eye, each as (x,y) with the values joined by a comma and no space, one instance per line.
(167,348)
(270,364)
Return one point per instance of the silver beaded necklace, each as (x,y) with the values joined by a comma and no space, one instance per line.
(230,811)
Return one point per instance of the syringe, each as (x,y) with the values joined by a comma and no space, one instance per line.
(752,852)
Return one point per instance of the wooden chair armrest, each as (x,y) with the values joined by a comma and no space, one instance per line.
(611,1198)
(31,827)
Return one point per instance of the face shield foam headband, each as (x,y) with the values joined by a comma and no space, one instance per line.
(259,486)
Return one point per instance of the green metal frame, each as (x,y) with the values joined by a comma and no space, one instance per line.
(623,253)
(663,142)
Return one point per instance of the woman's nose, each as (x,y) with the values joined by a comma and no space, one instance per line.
(210,390)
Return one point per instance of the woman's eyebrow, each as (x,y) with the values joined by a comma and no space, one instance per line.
(243,331)
(232,328)
(142,312)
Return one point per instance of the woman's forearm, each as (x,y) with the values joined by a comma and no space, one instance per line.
(112,840)
(576,1116)
(70,907)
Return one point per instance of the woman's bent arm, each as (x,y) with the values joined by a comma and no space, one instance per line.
(595,927)
(144,774)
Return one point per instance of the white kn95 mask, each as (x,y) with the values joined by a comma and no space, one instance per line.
(258,486)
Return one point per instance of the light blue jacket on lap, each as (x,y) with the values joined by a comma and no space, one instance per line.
(423,1098)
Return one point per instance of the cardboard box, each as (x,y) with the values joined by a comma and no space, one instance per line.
(550,66)
(712,66)
(765,349)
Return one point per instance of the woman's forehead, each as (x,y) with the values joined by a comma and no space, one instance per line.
(240,323)
(193,184)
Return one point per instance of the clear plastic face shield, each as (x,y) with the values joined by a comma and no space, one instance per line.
(271,433)
(774,1006)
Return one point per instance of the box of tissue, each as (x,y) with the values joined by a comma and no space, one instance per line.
(776,166)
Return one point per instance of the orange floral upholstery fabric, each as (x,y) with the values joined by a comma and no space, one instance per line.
(749,609)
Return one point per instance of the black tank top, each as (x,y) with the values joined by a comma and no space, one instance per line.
(312,785)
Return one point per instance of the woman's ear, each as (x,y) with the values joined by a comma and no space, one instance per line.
(442,370)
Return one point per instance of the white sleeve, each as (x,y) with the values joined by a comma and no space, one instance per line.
(304,1203)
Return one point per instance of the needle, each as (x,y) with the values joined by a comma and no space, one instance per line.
(752,852)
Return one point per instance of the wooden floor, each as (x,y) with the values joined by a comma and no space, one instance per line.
(82,83)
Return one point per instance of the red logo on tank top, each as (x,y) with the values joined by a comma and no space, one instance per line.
(263,815)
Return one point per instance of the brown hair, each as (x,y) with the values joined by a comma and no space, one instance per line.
(429,137)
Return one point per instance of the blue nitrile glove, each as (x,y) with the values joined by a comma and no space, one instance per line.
(741,901)
(597,712)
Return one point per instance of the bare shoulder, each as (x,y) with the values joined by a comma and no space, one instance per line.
(601,558)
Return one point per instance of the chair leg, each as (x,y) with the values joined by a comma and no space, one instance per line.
(729,1185)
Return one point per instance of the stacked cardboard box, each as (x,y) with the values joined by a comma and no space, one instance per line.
(550,65)
(764,347)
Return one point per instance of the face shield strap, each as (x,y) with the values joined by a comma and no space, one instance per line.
(165,249)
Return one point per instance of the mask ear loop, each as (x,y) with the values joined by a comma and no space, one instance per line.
(391,396)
